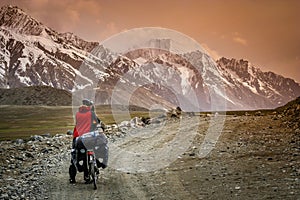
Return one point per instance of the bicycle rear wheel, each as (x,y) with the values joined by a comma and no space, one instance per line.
(93,174)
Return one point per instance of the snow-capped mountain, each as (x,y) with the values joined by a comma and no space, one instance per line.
(33,54)
(248,85)
(173,77)
(153,75)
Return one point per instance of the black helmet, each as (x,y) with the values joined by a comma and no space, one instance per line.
(87,102)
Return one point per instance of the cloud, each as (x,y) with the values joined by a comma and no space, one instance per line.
(240,40)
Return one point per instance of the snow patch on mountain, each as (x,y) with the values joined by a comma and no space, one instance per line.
(33,54)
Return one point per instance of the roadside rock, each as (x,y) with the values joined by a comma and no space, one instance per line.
(25,164)
(174,113)
(290,113)
(136,122)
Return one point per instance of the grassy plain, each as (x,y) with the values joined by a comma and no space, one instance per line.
(24,121)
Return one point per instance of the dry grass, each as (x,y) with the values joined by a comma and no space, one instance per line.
(24,121)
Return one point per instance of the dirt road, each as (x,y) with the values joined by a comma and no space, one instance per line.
(255,157)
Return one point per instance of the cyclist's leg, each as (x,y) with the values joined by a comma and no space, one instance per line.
(72,172)
(72,168)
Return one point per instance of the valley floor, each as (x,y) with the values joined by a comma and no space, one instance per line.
(255,157)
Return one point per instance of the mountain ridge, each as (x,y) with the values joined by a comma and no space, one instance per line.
(16,19)
(32,54)
(274,87)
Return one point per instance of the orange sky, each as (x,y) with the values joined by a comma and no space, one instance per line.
(267,33)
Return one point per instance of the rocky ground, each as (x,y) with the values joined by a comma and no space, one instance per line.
(255,157)
(24,164)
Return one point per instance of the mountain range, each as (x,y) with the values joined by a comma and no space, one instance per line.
(32,54)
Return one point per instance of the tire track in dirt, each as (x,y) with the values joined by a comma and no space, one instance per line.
(246,163)
(136,184)
(154,147)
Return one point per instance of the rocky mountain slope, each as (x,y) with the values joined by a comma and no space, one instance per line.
(35,95)
(291,115)
(32,54)
(246,84)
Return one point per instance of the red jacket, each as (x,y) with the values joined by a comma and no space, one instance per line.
(86,121)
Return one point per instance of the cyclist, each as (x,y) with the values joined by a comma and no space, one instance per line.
(86,121)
